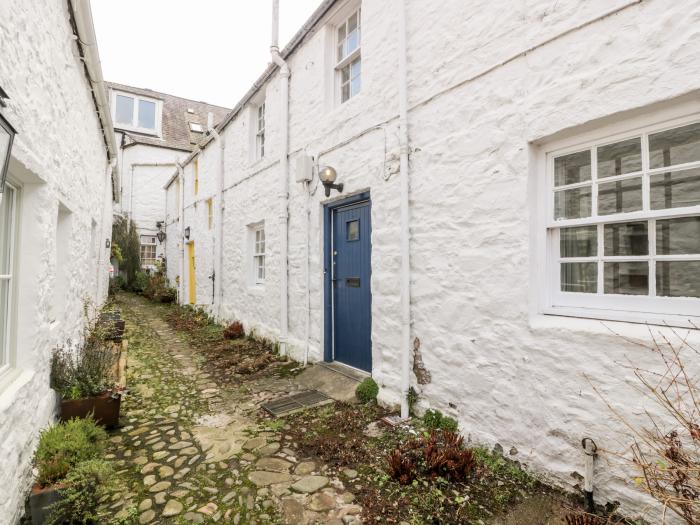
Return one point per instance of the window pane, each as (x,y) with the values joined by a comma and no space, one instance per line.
(572,204)
(4,319)
(341,34)
(629,278)
(353,41)
(678,236)
(352,23)
(345,74)
(125,110)
(579,277)
(573,168)
(345,92)
(675,189)
(620,158)
(578,242)
(675,146)
(678,278)
(147,114)
(6,214)
(627,238)
(620,196)
(353,231)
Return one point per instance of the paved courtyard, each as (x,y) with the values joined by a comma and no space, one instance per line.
(196,449)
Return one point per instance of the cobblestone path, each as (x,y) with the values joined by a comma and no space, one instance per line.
(195,451)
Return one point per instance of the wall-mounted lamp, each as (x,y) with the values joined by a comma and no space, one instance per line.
(161,235)
(108,243)
(328,176)
(7,137)
(187,232)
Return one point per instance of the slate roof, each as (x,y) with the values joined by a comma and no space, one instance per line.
(176,133)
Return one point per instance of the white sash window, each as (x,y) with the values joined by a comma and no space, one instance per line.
(8,236)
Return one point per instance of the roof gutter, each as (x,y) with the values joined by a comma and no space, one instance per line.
(84,31)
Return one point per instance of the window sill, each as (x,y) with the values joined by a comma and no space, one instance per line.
(629,324)
(256,289)
(11,381)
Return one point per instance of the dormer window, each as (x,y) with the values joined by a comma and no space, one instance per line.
(136,113)
(197,128)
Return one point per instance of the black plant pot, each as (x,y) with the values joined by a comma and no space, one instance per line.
(41,502)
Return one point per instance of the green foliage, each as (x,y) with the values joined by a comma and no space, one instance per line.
(157,287)
(412,398)
(117,253)
(140,282)
(124,234)
(86,484)
(84,369)
(116,284)
(63,446)
(434,420)
(503,468)
(367,390)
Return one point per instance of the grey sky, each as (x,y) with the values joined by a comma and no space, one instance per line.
(208,50)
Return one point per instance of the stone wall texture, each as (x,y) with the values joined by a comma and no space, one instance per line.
(59,157)
(489,85)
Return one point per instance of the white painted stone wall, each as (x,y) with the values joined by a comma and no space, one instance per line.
(59,156)
(478,106)
(144,173)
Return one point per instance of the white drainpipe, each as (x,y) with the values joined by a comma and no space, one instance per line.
(405,231)
(219,264)
(284,173)
(181,230)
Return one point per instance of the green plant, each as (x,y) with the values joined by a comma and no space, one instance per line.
(367,390)
(124,234)
(434,420)
(116,284)
(412,399)
(85,371)
(61,447)
(140,283)
(116,253)
(85,485)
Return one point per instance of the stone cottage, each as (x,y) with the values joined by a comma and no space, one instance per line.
(153,131)
(506,185)
(55,214)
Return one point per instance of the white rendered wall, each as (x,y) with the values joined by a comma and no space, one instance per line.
(59,156)
(477,105)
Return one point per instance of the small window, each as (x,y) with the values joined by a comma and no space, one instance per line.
(136,113)
(195,168)
(260,132)
(348,60)
(353,230)
(148,250)
(259,254)
(210,213)
(197,128)
(624,227)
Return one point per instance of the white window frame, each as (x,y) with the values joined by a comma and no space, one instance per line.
(258,248)
(260,131)
(134,119)
(635,308)
(347,59)
(6,355)
(148,245)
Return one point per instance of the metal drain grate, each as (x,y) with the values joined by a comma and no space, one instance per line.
(289,404)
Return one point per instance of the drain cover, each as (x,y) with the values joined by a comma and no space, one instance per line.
(289,404)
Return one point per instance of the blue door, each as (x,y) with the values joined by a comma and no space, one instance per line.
(352,298)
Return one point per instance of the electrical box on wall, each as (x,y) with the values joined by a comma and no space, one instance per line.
(305,168)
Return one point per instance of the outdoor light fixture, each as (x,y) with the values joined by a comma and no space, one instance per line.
(161,234)
(187,232)
(328,176)
(7,136)
(108,243)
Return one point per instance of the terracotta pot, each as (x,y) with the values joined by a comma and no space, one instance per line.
(40,502)
(105,409)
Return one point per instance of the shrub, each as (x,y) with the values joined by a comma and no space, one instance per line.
(140,283)
(434,420)
(234,331)
(440,455)
(86,484)
(125,236)
(367,390)
(116,284)
(83,372)
(63,446)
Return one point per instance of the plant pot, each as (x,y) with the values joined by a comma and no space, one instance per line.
(41,501)
(105,409)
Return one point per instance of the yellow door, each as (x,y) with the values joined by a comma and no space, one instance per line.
(193,276)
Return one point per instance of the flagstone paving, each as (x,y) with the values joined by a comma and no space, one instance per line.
(192,450)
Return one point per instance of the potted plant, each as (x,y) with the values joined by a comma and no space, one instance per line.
(65,460)
(84,378)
